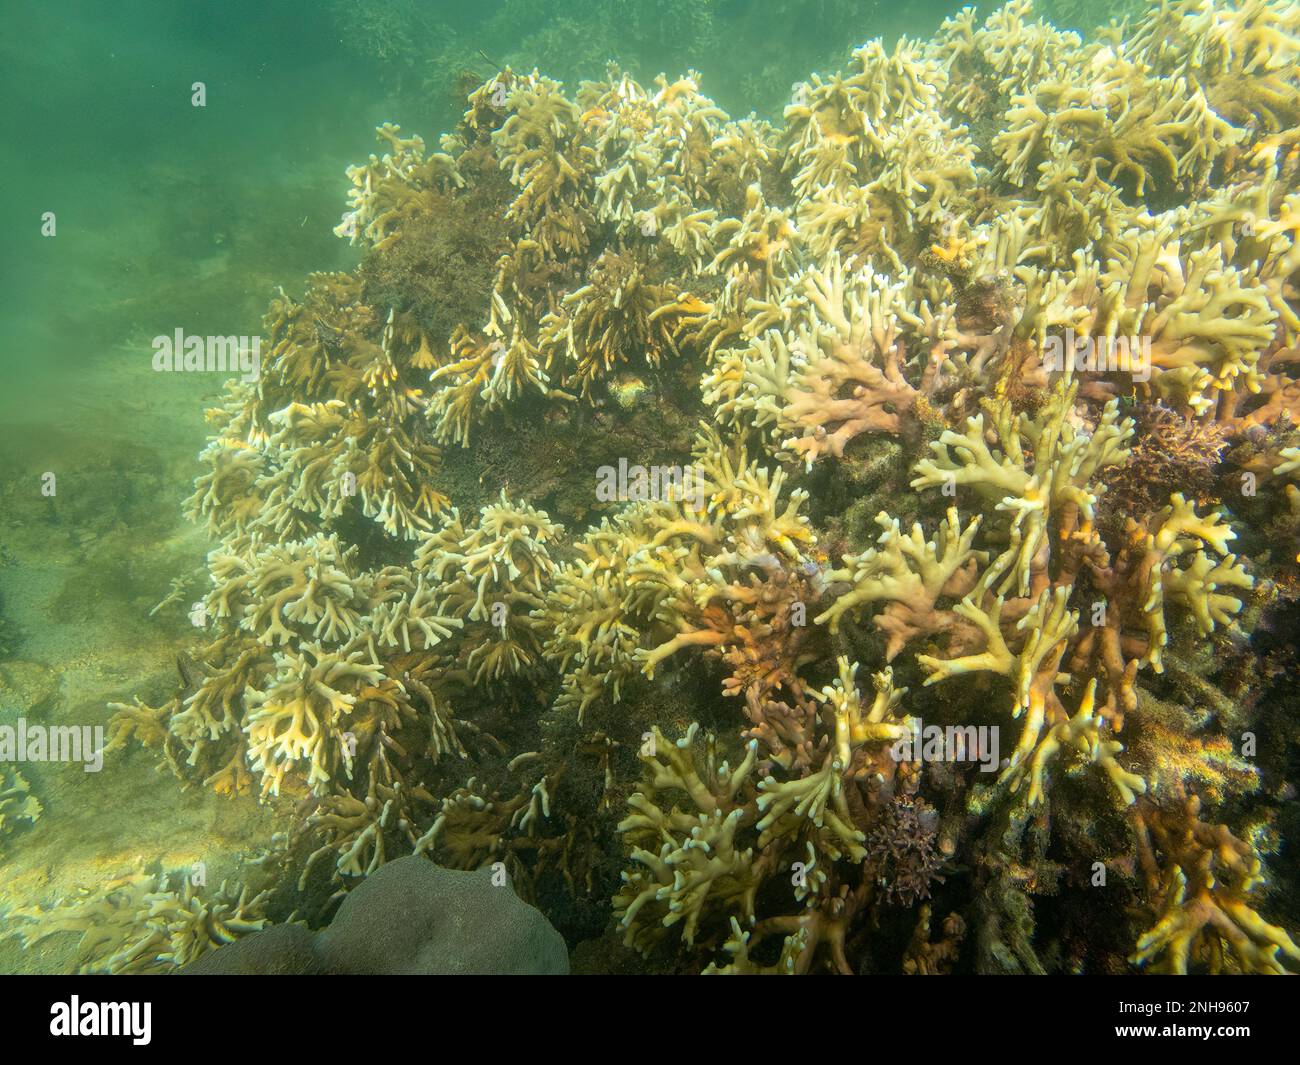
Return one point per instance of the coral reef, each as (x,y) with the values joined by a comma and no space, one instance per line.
(952,427)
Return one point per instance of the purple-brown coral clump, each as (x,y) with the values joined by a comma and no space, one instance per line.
(903,851)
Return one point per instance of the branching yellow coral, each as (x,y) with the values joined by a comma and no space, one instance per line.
(1202,881)
(689,861)
(139,924)
(910,574)
(493,576)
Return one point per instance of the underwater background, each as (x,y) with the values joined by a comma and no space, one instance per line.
(170,216)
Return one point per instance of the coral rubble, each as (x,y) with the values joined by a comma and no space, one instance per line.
(17,803)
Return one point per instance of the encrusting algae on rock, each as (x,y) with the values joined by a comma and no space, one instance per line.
(985,358)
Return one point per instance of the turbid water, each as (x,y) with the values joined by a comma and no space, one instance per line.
(733,217)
